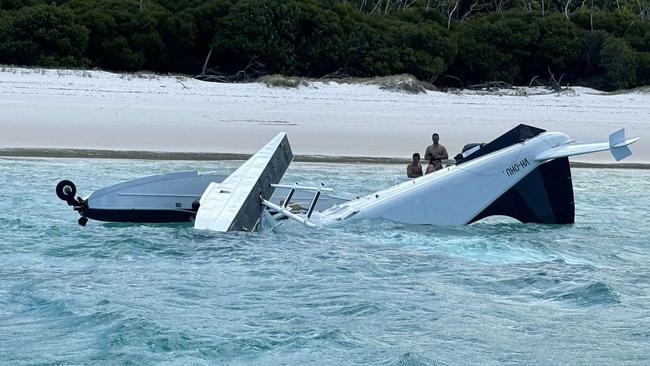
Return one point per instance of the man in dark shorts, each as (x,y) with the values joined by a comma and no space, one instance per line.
(435,154)
(414,169)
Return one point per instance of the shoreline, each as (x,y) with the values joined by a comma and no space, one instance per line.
(210,156)
(106,114)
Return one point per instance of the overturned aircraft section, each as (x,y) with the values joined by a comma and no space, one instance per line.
(523,174)
(236,203)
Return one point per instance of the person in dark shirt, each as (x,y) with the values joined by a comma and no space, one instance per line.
(414,169)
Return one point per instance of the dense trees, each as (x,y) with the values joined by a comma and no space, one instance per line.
(600,43)
(43,35)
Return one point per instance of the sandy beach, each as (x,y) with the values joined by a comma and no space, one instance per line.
(42,110)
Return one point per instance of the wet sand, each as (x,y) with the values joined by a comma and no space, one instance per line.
(199,156)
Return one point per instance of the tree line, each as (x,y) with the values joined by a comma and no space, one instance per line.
(451,43)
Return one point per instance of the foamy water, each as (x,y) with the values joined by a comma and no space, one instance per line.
(372,292)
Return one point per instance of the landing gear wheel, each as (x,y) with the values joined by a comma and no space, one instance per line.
(83,220)
(66,190)
(196,205)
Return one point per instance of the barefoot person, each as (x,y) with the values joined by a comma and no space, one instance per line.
(435,153)
(414,169)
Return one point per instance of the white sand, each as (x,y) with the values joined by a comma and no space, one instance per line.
(101,110)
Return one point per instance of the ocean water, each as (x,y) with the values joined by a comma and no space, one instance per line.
(366,293)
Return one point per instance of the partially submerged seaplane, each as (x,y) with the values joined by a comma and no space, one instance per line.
(523,174)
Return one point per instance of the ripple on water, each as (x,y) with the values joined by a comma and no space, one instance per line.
(596,293)
(371,292)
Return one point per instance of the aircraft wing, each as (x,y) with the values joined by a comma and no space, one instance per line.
(234,204)
(617,144)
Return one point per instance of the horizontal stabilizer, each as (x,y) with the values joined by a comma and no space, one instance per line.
(617,144)
(235,204)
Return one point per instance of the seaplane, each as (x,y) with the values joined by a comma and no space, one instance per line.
(524,174)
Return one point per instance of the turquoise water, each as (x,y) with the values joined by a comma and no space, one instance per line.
(372,292)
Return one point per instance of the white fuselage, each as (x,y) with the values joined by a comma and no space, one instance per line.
(453,195)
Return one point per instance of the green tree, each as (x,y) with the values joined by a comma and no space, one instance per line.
(643,68)
(559,46)
(19,4)
(604,44)
(257,30)
(618,60)
(398,47)
(207,18)
(179,34)
(496,48)
(121,36)
(44,35)
(318,38)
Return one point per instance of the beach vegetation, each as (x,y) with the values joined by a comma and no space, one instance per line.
(282,81)
(446,43)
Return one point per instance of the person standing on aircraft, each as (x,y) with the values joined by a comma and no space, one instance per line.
(435,153)
(414,169)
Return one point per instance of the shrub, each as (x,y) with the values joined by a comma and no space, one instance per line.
(618,61)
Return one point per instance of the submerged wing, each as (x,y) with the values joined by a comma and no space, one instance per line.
(234,204)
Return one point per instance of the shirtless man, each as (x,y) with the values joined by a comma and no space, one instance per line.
(414,169)
(436,152)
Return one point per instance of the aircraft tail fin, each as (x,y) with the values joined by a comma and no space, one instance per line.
(617,145)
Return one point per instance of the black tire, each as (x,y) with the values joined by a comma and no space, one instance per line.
(196,205)
(66,190)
